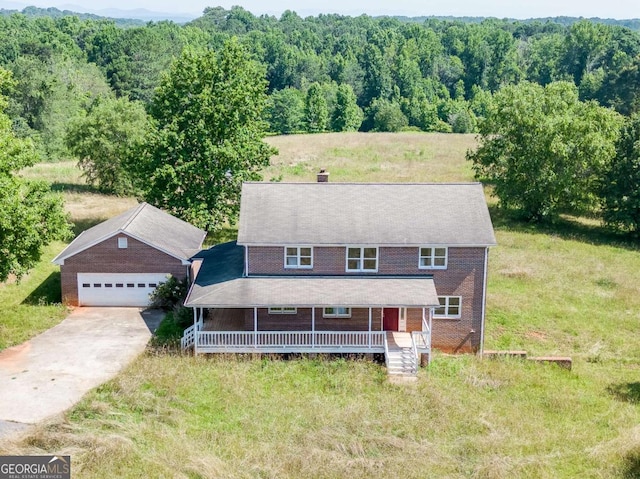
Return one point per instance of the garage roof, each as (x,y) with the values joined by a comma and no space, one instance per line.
(145,223)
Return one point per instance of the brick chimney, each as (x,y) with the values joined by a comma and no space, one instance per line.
(323,176)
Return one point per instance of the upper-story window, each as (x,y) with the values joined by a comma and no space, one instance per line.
(122,242)
(433,258)
(450,307)
(362,259)
(300,257)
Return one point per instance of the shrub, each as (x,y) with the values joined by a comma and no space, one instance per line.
(170,294)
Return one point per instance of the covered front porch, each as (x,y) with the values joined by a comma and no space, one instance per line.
(307,330)
(305,314)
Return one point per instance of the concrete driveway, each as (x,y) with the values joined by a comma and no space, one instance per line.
(51,372)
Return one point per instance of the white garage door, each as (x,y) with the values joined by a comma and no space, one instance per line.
(117,289)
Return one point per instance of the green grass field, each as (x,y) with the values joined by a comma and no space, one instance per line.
(570,289)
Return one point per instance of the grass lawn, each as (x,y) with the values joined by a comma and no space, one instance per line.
(569,289)
(32,305)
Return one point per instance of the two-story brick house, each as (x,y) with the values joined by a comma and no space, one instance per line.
(337,267)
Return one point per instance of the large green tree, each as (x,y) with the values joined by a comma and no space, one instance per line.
(347,115)
(105,138)
(30,215)
(544,150)
(621,189)
(207,136)
(316,112)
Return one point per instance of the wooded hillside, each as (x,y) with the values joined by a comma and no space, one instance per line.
(324,73)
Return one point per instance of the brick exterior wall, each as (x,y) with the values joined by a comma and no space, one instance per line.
(463,277)
(359,320)
(106,257)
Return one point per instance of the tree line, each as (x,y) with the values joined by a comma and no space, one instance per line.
(176,114)
(324,73)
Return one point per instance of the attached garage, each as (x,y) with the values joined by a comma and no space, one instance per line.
(121,261)
(117,289)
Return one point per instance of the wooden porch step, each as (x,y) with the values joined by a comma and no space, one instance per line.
(400,360)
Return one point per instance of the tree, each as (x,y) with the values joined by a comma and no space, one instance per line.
(207,136)
(286,111)
(30,215)
(620,187)
(316,112)
(386,115)
(544,150)
(347,115)
(104,139)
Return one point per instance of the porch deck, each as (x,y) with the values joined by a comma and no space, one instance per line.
(289,342)
(226,331)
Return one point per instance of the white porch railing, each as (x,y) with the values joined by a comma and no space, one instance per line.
(289,342)
(422,340)
(189,336)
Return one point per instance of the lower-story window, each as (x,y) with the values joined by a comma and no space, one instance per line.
(450,307)
(283,310)
(336,312)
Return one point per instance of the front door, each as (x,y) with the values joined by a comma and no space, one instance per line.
(390,319)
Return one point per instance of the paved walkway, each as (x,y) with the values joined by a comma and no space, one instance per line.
(51,372)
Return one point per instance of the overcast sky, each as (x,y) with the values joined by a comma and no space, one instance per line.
(621,9)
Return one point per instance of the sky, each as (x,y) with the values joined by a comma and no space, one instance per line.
(620,9)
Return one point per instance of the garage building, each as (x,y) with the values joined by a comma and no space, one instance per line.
(121,261)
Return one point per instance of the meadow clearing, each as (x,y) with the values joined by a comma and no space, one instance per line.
(569,289)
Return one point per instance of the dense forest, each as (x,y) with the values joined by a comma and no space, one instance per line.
(176,114)
(324,73)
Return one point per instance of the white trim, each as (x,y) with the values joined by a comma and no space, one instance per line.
(433,257)
(246,261)
(484,300)
(336,315)
(298,257)
(380,245)
(447,306)
(402,320)
(59,260)
(361,259)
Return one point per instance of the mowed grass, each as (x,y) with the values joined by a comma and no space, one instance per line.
(372,157)
(568,289)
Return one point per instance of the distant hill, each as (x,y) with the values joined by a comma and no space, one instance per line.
(633,24)
(53,12)
(134,17)
(140,16)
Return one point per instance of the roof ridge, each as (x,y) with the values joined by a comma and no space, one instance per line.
(352,183)
(135,214)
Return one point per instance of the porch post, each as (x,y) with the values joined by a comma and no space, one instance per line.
(430,333)
(255,327)
(370,319)
(195,331)
(313,327)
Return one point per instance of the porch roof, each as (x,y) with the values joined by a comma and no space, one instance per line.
(220,284)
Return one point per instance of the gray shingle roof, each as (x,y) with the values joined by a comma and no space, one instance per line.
(220,284)
(374,214)
(145,223)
